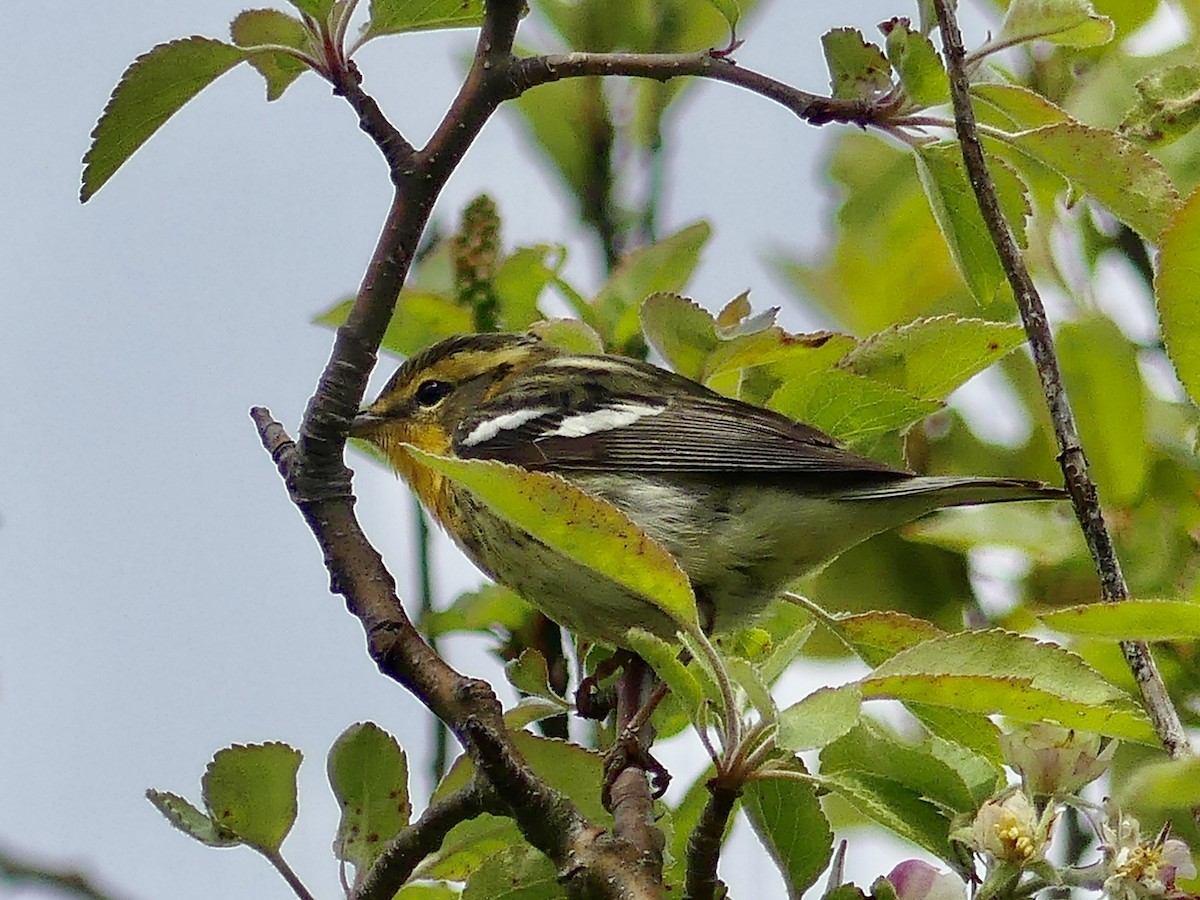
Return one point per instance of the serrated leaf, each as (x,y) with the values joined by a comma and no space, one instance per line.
(952,200)
(368,772)
(1175,283)
(931,357)
(895,807)
(1158,787)
(820,718)
(1002,672)
(1021,107)
(255,27)
(250,791)
(920,69)
(879,635)
(857,70)
(586,530)
(154,87)
(399,16)
(867,747)
(532,709)
(787,817)
(1133,620)
(1070,23)
(681,330)
(1167,108)
(191,821)
(747,679)
(848,406)
(1100,371)
(1117,173)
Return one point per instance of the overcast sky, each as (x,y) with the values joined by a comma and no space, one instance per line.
(160,597)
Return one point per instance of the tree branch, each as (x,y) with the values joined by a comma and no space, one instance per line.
(21,872)
(531,71)
(1071,457)
(423,837)
(704,844)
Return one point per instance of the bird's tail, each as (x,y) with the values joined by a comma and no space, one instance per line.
(955,490)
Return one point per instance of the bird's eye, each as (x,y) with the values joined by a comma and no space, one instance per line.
(431,393)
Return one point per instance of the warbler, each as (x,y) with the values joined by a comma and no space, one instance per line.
(745,499)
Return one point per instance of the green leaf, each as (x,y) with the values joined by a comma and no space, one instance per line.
(1132,620)
(1158,787)
(533,709)
(255,27)
(1118,174)
(931,357)
(430,891)
(250,791)
(1175,293)
(730,10)
(399,16)
(486,609)
(857,70)
(787,816)
(848,406)
(530,674)
(664,266)
(516,872)
(895,807)
(921,72)
(879,635)
(1020,107)
(1167,108)
(681,330)
(150,91)
(190,820)
(1070,23)
(571,335)
(663,657)
(469,844)
(318,9)
(421,318)
(944,178)
(820,718)
(586,530)
(368,772)
(1100,371)
(867,747)
(1002,672)
(520,280)
(1036,529)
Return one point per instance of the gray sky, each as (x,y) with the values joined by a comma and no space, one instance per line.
(160,598)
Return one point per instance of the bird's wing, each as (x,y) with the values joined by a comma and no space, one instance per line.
(692,430)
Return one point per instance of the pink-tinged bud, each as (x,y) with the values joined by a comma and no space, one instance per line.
(915,879)
(1053,760)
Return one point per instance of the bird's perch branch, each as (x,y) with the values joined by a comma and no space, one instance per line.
(1071,457)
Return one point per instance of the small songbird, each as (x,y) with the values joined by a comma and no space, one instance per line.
(745,499)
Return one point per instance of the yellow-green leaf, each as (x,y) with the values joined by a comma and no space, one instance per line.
(1167,108)
(1176,294)
(1002,672)
(1173,784)
(931,357)
(848,406)
(585,529)
(1071,23)
(255,27)
(820,718)
(857,70)
(398,16)
(368,772)
(250,792)
(1140,620)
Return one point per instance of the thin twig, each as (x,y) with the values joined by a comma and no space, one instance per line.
(403,852)
(23,872)
(631,801)
(1071,457)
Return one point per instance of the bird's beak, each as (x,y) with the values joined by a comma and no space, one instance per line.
(364,424)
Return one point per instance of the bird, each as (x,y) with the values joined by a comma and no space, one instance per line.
(746,500)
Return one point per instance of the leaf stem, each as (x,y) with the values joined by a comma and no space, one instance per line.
(275,858)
